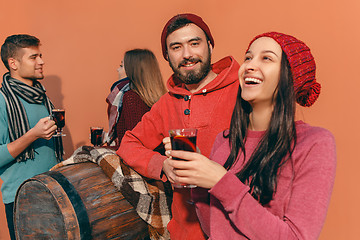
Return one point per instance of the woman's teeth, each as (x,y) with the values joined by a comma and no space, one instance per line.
(252,81)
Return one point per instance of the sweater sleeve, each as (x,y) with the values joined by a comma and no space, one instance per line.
(307,207)
(137,145)
(5,156)
(200,195)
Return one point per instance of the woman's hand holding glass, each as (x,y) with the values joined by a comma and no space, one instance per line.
(196,170)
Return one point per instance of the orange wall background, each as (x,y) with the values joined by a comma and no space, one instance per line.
(83,42)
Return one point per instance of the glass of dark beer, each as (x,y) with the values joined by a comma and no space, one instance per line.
(96,136)
(58,115)
(183,139)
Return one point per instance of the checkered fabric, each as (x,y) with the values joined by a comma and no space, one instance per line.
(150,198)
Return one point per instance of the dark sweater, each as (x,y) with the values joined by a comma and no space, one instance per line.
(132,111)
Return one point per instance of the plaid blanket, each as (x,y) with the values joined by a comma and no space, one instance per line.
(150,198)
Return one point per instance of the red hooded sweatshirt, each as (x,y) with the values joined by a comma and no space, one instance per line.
(209,110)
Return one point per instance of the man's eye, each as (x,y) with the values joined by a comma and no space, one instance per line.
(247,58)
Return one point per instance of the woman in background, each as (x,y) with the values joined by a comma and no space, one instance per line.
(269,177)
(139,87)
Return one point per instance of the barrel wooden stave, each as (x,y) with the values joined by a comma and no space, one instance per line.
(33,215)
(110,215)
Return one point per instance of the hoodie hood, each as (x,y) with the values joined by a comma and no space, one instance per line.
(227,73)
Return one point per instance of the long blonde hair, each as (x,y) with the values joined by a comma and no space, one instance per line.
(142,68)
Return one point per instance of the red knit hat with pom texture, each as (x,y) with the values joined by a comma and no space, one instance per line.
(302,66)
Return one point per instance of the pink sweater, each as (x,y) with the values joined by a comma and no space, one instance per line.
(298,210)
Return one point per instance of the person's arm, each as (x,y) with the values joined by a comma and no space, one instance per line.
(45,128)
(5,156)
(307,208)
(137,145)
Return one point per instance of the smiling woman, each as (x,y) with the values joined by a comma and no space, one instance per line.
(264,171)
(260,73)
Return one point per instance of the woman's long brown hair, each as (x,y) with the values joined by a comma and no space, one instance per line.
(275,147)
(142,68)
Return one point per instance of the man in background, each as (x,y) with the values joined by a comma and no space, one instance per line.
(26,144)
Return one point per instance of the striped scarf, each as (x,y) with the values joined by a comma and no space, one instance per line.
(18,122)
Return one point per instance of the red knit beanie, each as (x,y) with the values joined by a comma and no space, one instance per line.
(192,18)
(302,66)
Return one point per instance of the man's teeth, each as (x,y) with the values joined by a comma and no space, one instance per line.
(252,80)
(189,65)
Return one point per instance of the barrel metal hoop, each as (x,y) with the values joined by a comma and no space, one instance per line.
(77,203)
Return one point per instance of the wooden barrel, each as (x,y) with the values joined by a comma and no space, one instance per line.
(75,202)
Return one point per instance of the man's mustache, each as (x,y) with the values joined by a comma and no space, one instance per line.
(189,60)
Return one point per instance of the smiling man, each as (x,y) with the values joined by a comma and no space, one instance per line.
(26,147)
(201,95)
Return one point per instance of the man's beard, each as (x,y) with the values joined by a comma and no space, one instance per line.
(35,78)
(193,76)
(32,76)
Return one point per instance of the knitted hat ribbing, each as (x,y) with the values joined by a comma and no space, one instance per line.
(302,66)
